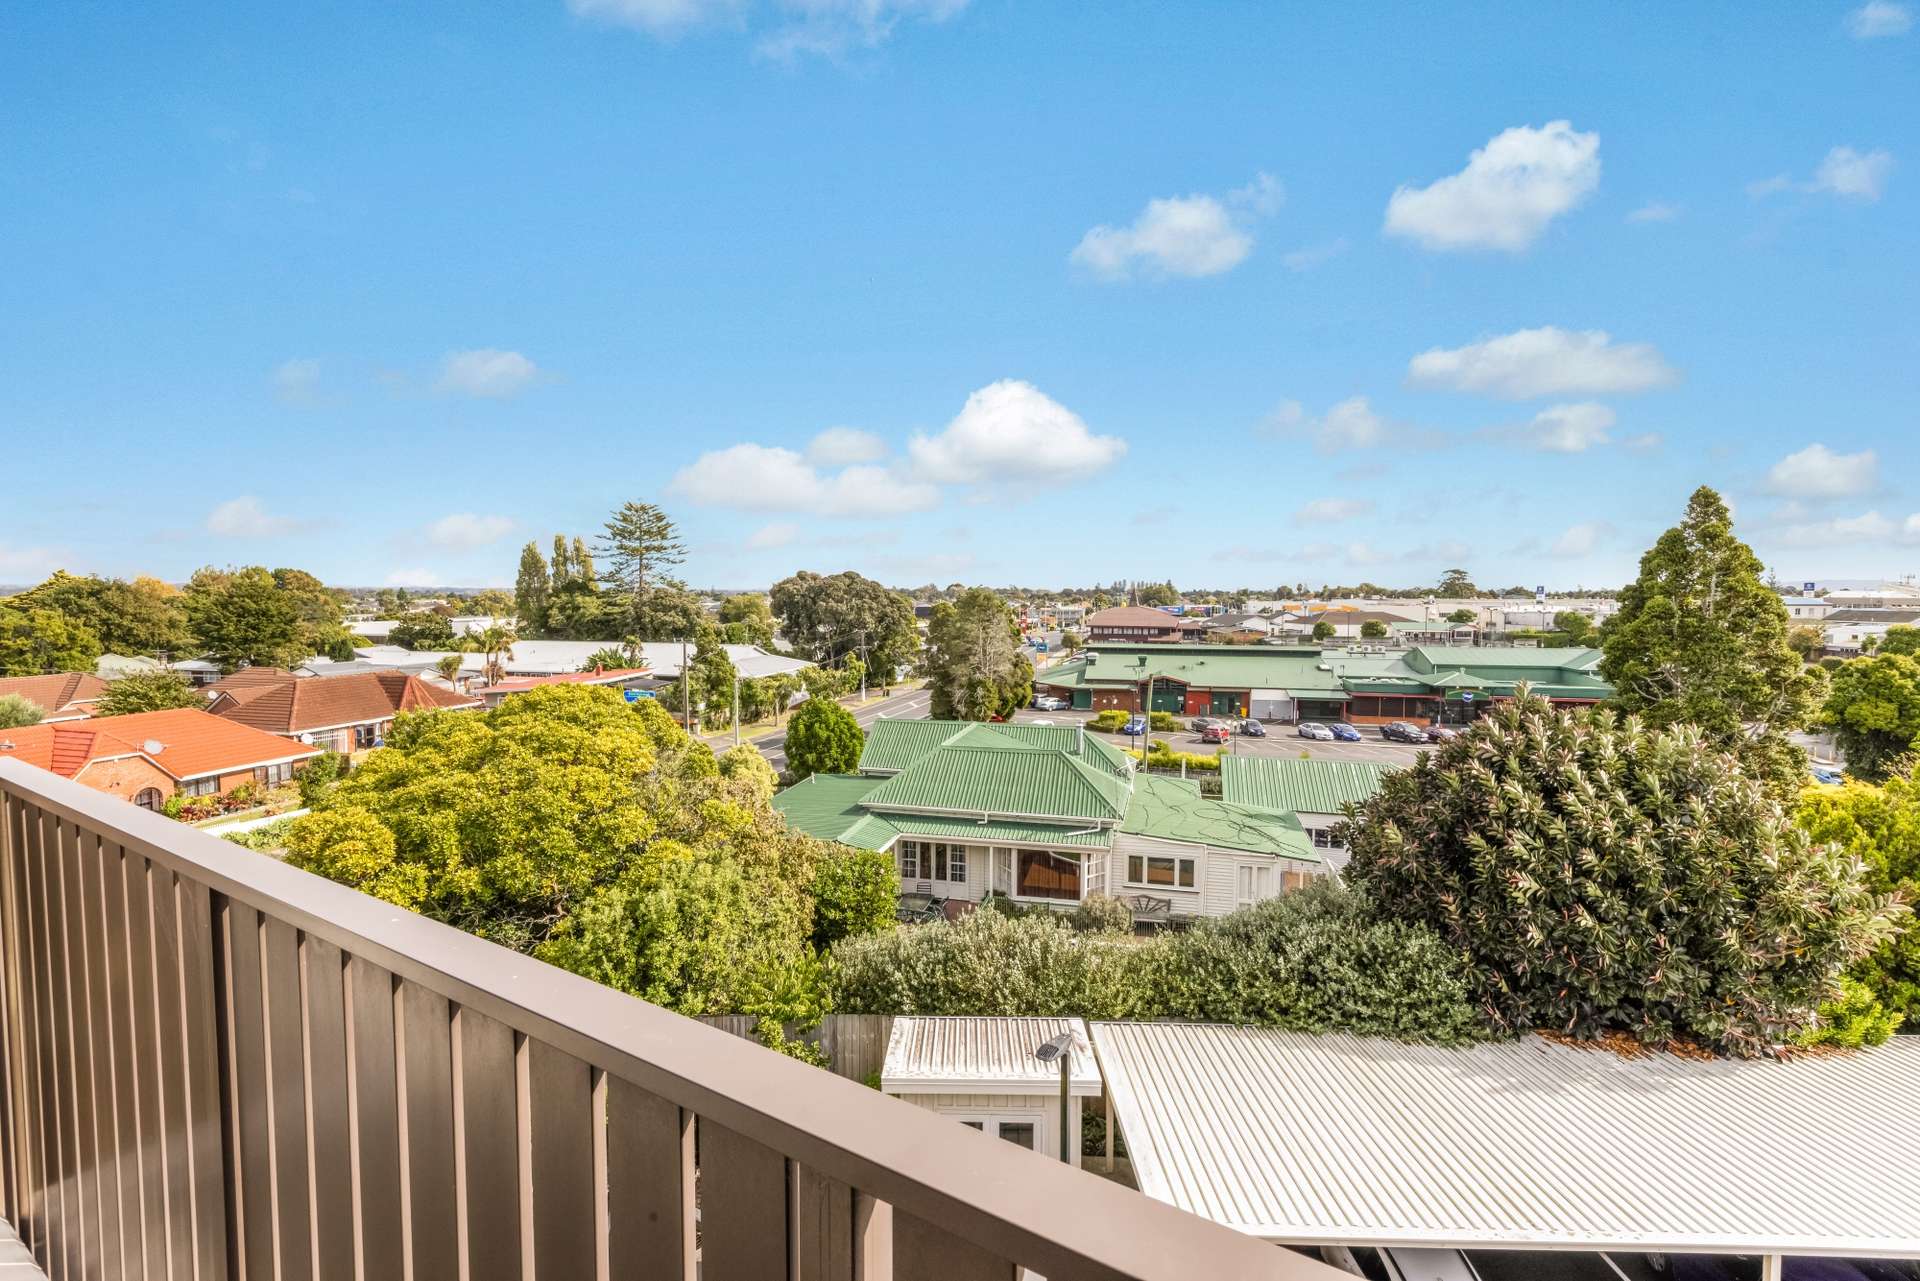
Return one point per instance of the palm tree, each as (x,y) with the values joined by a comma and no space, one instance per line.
(496,642)
(449,667)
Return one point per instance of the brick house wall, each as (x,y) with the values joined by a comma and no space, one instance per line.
(126,779)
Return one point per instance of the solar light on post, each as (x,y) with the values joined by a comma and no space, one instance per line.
(1061,1047)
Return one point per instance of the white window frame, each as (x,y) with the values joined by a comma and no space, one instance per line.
(1252,882)
(1323,839)
(909,852)
(208,786)
(1186,871)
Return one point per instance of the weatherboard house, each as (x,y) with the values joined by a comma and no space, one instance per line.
(1048,815)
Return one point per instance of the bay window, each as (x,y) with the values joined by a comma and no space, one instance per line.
(1044,874)
(933,860)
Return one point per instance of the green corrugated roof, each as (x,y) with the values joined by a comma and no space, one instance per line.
(828,806)
(1314,785)
(998,832)
(1009,780)
(892,745)
(1173,809)
(1204,666)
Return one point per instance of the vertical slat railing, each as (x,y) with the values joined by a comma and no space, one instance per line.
(218,1067)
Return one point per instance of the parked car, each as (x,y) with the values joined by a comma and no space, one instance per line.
(1315,730)
(1136,726)
(1039,720)
(1825,774)
(1200,723)
(1344,732)
(1049,703)
(1403,732)
(1218,732)
(1441,733)
(1252,729)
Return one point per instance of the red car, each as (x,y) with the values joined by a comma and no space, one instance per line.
(1216,733)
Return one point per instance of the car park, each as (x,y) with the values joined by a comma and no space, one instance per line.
(1252,729)
(1403,732)
(1441,733)
(1344,732)
(1049,703)
(1136,726)
(1315,730)
(1218,732)
(1200,723)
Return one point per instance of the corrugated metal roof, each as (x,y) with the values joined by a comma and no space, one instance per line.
(1010,782)
(1524,1143)
(1173,809)
(828,806)
(1313,786)
(892,745)
(928,1054)
(996,832)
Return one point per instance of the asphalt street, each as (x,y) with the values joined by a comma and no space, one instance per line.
(908,705)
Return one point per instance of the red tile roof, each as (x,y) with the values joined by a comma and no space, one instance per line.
(298,704)
(1132,616)
(62,696)
(183,742)
(250,677)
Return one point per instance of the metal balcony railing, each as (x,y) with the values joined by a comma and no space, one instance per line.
(217,1066)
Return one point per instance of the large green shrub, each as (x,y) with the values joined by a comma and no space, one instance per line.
(1881,827)
(823,738)
(1162,722)
(1317,961)
(854,892)
(1601,874)
(1108,721)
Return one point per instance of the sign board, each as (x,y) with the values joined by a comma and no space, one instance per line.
(1540,595)
(635,695)
(1466,696)
(1806,589)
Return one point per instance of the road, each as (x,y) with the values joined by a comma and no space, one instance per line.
(909,704)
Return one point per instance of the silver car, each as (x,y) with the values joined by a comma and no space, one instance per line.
(1316,731)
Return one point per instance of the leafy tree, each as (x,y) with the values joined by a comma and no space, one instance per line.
(1461,616)
(241,617)
(823,738)
(493,602)
(1323,630)
(496,645)
(1575,628)
(1854,1019)
(855,892)
(1880,826)
(1701,640)
(670,612)
(1806,641)
(140,617)
(422,632)
(748,620)
(448,665)
(611,658)
(1600,873)
(320,608)
(1071,642)
(1373,629)
(17,712)
(710,678)
(317,777)
(975,666)
(1456,585)
(827,619)
(746,767)
(38,642)
(1873,706)
(1900,640)
(641,546)
(1156,594)
(149,692)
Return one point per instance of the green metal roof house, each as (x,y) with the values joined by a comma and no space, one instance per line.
(1361,684)
(1048,814)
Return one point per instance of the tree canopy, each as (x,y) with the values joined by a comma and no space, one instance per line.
(145,616)
(1873,707)
(36,642)
(1601,873)
(975,667)
(149,692)
(1700,639)
(823,738)
(422,631)
(829,619)
(17,712)
(747,620)
(596,835)
(244,617)
(641,546)
(1880,826)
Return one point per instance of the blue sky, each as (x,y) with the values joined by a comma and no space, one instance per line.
(937,290)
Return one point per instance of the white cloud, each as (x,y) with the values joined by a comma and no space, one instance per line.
(1570,429)
(245,517)
(776,535)
(27,562)
(1307,257)
(486,372)
(660,17)
(1011,433)
(1510,190)
(1655,211)
(413,578)
(767,478)
(1330,510)
(1195,235)
(842,446)
(1818,472)
(1867,527)
(465,530)
(1853,174)
(1548,361)
(297,382)
(1843,172)
(1351,424)
(833,28)
(1581,539)
(1878,19)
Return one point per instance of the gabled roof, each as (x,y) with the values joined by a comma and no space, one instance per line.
(1132,616)
(1172,809)
(61,696)
(250,678)
(183,742)
(1004,779)
(828,806)
(984,1055)
(300,703)
(1314,785)
(892,745)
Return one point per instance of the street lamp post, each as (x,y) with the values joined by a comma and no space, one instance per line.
(1061,1048)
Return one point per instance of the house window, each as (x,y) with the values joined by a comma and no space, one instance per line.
(1254,883)
(909,860)
(271,775)
(1164,873)
(363,736)
(950,863)
(200,786)
(1044,874)
(1323,839)
(935,860)
(150,799)
(1291,881)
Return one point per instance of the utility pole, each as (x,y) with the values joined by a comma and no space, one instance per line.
(736,707)
(863,664)
(686,704)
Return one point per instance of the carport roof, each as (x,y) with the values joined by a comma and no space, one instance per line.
(1528,1143)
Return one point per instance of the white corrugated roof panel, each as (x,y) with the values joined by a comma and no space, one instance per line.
(1295,1137)
(983,1055)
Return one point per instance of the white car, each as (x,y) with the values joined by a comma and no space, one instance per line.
(1049,703)
(1316,731)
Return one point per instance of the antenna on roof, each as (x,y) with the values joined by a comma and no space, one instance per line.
(153,747)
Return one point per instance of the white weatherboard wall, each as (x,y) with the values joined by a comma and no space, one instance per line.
(982,1072)
(1217,878)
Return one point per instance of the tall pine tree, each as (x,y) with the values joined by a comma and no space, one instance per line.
(532,590)
(1700,639)
(640,546)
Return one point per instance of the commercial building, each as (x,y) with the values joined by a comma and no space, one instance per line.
(1132,624)
(1361,684)
(1048,815)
